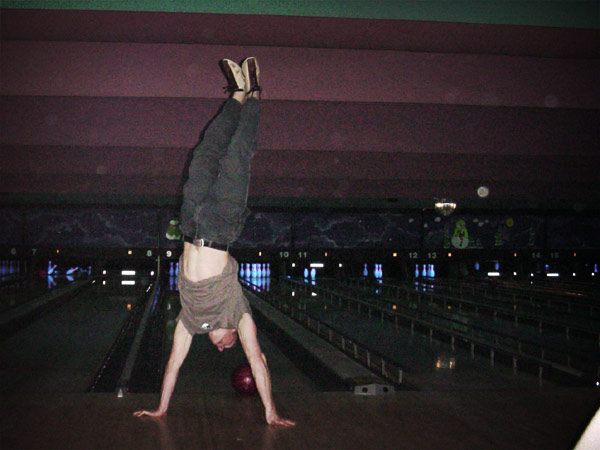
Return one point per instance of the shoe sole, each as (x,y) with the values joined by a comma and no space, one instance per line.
(236,83)
(251,73)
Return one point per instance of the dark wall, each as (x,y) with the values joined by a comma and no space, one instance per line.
(146,228)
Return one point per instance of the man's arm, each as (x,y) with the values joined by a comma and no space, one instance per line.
(181,346)
(260,371)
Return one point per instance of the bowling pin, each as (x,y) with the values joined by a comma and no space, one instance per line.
(172,269)
(305,272)
(242,270)
(313,273)
(417,271)
(365,271)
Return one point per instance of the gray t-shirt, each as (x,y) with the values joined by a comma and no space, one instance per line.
(215,302)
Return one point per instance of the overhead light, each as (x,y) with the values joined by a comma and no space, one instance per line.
(445,206)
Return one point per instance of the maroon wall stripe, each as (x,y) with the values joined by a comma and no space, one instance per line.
(288,31)
(169,70)
(96,103)
(300,164)
(332,188)
(387,127)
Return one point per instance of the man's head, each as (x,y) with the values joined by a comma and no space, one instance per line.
(223,338)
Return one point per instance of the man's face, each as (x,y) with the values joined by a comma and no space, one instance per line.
(223,338)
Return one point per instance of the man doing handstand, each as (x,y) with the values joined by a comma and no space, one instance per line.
(212,216)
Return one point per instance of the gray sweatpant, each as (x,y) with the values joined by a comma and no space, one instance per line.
(216,191)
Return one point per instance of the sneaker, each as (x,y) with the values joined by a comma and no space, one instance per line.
(235,78)
(251,73)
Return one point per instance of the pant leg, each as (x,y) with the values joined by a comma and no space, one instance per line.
(224,213)
(204,167)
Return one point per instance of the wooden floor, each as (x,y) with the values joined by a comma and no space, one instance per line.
(551,418)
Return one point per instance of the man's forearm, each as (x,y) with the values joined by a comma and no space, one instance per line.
(262,378)
(167,387)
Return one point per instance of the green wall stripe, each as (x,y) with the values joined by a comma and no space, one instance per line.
(563,13)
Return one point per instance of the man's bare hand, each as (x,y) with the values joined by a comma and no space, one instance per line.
(275,420)
(149,413)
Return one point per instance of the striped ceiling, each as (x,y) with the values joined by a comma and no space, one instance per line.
(386,106)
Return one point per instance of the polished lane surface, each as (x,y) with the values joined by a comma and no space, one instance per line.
(61,351)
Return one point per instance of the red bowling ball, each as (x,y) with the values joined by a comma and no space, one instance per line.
(242,380)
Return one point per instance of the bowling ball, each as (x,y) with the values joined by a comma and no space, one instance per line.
(242,380)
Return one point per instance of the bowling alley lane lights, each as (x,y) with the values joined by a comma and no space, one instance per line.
(127,273)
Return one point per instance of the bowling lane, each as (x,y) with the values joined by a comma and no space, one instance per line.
(61,352)
(426,362)
(206,370)
(16,291)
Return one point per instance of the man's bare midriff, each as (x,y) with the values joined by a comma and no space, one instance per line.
(200,263)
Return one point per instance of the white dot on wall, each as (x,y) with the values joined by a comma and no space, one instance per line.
(551,101)
(101,170)
(191,70)
(51,119)
(437,219)
(336,138)
(451,95)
